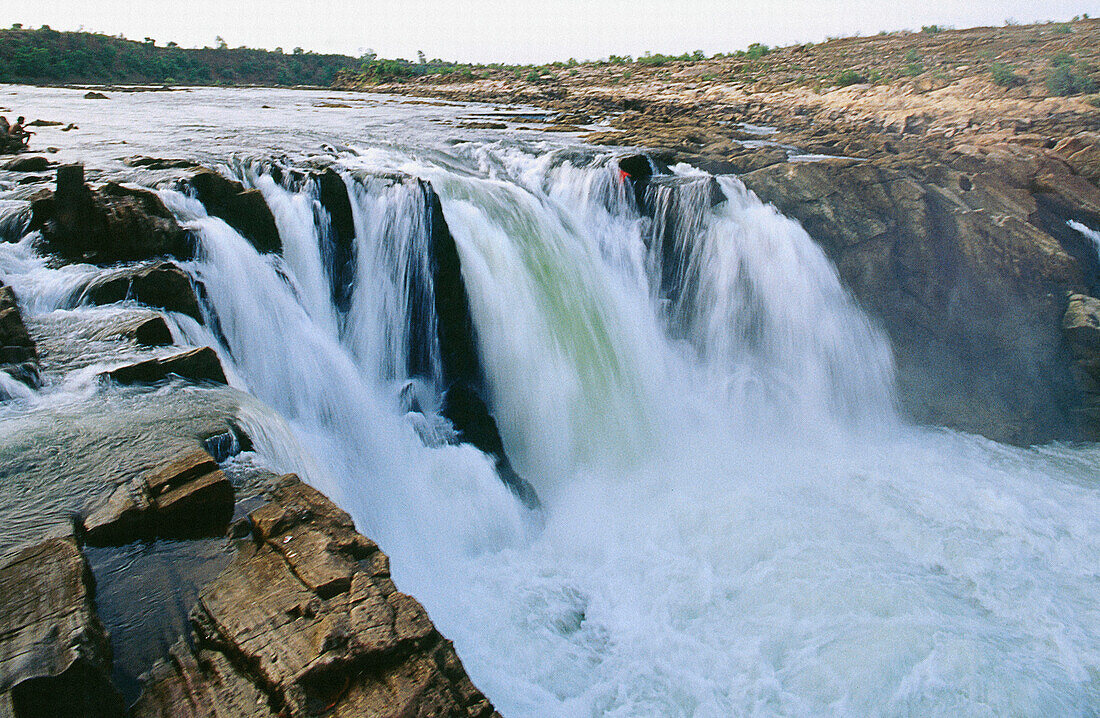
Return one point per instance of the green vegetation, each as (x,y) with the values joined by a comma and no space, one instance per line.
(1066,77)
(932,29)
(1065,80)
(1063,29)
(850,77)
(1005,75)
(49,56)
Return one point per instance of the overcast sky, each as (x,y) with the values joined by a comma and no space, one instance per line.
(518,30)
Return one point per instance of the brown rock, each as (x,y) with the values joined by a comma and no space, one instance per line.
(195,365)
(27,164)
(54,656)
(163,285)
(185,497)
(1081,323)
(959,267)
(242,209)
(108,225)
(307,617)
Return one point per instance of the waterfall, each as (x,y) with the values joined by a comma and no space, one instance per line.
(731,517)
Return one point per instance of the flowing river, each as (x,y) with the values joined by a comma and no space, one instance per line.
(732,516)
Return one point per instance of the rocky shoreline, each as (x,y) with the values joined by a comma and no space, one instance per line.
(287,610)
(944,200)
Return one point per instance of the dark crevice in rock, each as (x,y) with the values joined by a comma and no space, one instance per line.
(339,242)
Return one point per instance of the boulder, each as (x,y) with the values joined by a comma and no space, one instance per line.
(242,209)
(307,621)
(152,332)
(163,285)
(185,497)
(16,345)
(27,164)
(91,95)
(196,365)
(157,163)
(55,659)
(107,225)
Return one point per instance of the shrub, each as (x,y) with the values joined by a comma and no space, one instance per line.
(850,77)
(913,69)
(932,29)
(1063,58)
(913,56)
(1063,28)
(757,51)
(1005,75)
(533,76)
(1063,81)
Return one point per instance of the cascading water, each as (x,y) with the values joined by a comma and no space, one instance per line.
(733,520)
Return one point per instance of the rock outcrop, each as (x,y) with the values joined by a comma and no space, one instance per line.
(16,345)
(306,621)
(200,364)
(242,209)
(54,656)
(1081,325)
(966,265)
(18,354)
(36,163)
(185,497)
(162,285)
(107,225)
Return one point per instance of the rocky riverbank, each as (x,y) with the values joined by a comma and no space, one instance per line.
(273,604)
(951,199)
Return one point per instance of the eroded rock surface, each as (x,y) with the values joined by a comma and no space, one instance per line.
(163,285)
(200,364)
(186,496)
(242,209)
(967,266)
(18,354)
(307,619)
(106,225)
(54,657)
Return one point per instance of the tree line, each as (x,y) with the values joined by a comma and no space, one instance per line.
(45,56)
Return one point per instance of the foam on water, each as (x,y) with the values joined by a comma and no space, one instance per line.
(734,520)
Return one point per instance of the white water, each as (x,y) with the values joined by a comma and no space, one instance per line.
(734,521)
(1091,234)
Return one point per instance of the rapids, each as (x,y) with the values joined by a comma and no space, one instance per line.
(734,518)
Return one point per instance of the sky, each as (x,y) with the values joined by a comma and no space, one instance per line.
(519,31)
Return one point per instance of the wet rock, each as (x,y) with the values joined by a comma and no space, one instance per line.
(18,353)
(242,209)
(27,164)
(1081,323)
(163,285)
(186,497)
(107,225)
(16,345)
(307,621)
(958,265)
(199,684)
(194,365)
(157,163)
(340,254)
(54,656)
(152,332)
(95,96)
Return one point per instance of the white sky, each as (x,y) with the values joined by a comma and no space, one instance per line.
(518,30)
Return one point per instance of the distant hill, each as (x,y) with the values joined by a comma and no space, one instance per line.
(46,56)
